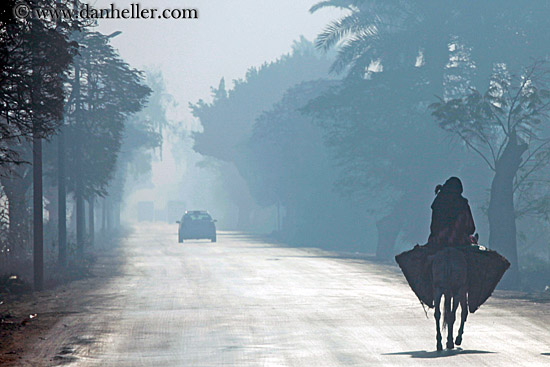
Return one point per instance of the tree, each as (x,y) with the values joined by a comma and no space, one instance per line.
(389,156)
(32,96)
(509,128)
(105,92)
(228,120)
(389,54)
(143,133)
(286,164)
(29,73)
(393,45)
(389,32)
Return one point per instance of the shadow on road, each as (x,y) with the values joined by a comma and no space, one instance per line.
(437,354)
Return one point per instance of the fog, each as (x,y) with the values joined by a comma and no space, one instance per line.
(339,180)
(319,125)
(274,182)
(196,55)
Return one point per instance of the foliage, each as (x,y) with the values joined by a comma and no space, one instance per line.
(397,54)
(142,134)
(288,164)
(388,155)
(286,151)
(514,107)
(227,121)
(33,56)
(398,31)
(105,95)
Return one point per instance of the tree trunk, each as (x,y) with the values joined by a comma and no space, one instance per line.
(38,223)
(91,220)
(117,215)
(109,214)
(79,185)
(62,200)
(104,215)
(80,220)
(388,229)
(502,219)
(16,188)
(38,220)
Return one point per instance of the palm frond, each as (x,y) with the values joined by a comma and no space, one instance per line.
(341,4)
(338,30)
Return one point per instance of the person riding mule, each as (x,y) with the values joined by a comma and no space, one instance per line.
(452,227)
(452,265)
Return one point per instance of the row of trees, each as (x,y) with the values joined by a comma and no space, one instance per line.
(425,87)
(228,120)
(62,82)
(453,50)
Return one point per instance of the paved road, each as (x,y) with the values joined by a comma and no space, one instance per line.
(244,302)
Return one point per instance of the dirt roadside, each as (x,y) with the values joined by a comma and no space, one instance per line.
(28,317)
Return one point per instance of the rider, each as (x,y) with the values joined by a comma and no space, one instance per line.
(452,221)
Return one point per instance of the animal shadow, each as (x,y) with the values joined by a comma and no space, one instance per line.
(438,354)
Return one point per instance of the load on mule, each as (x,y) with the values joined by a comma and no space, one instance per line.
(452,263)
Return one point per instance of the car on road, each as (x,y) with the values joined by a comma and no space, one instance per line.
(196,224)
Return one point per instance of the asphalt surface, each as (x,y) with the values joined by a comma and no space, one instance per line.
(244,302)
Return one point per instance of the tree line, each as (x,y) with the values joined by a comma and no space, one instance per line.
(68,103)
(416,92)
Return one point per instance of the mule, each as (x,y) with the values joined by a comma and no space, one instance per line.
(449,275)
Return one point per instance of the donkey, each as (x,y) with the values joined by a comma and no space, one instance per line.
(449,275)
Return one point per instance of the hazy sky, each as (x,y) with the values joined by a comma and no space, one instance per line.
(228,38)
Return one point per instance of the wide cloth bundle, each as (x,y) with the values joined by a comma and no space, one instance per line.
(485,269)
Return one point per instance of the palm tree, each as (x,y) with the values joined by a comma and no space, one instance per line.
(372,30)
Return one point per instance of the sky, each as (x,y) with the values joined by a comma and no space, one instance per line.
(229,37)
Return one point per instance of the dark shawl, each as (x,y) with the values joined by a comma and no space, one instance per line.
(452,221)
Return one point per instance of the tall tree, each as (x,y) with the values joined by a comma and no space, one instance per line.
(105,92)
(229,119)
(393,45)
(388,154)
(286,164)
(32,95)
(508,126)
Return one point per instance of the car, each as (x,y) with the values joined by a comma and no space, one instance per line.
(196,224)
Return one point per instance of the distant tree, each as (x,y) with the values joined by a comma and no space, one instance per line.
(508,126)
(105,91)
(228,120)
(288,165)
(143,133)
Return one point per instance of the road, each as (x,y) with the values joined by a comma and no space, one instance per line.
(245,302)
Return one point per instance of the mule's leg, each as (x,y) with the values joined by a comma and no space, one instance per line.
(447,319)
(451,321)
(463,315)
(437,300)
